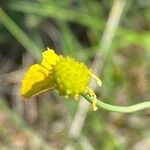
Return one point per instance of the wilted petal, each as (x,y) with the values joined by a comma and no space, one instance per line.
(36,79)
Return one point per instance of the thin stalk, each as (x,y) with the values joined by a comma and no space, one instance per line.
(119,109)
(20,35)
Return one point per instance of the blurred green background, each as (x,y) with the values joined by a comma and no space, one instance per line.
(75,28)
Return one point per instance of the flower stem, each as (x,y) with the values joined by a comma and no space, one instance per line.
(119,109)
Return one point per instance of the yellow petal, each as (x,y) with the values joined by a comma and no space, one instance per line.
(99,82)
(94,104)
(36,79)
(49,58)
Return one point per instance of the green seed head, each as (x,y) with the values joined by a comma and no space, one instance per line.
(71,77)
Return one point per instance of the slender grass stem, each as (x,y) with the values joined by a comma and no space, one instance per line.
(119,109)
(20,35)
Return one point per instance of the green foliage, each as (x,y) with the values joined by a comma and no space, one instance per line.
(75,28)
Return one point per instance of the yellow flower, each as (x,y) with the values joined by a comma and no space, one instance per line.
(68,76)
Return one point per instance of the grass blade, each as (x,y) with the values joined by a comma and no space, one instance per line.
(20,35)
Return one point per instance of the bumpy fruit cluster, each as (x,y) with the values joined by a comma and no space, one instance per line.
(71,77)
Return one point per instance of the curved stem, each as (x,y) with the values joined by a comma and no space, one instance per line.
(119,109)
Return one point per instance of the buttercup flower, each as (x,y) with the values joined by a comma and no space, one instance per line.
(68,76)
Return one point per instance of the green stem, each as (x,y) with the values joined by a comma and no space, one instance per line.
(119,109)
(20,35)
